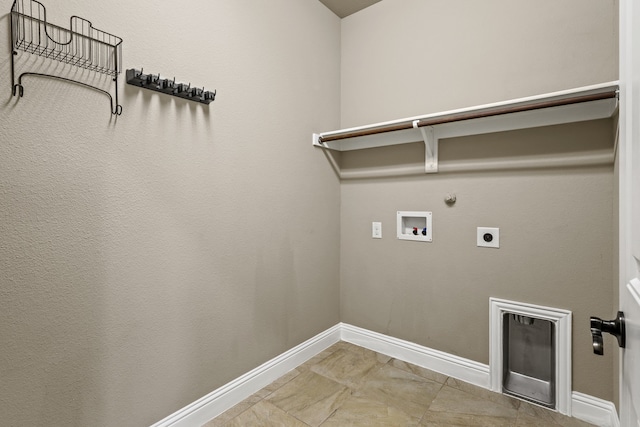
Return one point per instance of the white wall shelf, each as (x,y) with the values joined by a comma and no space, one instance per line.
(568,106)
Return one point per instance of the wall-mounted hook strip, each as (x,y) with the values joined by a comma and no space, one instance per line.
(169,87)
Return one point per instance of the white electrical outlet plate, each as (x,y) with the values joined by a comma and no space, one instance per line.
(376,230)
(488,237)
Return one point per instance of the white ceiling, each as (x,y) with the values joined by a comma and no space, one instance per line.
(344,8)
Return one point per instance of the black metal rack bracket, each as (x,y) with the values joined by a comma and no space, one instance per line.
(80,45)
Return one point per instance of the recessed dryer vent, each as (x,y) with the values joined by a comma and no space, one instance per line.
(530,353)
(528,368)
(414,226)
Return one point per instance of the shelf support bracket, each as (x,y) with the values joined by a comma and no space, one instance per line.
(430,147)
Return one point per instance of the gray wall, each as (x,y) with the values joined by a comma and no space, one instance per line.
(404,58)
(149,259)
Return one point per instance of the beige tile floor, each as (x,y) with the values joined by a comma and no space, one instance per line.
(347,385)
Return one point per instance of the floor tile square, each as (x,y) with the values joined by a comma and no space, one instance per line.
(310,397)
(401,389)
(363,411)
(347,367)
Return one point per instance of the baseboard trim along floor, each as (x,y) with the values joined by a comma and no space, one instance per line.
(584,407)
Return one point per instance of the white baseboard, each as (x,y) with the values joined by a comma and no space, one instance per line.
(593,410)
(584,407)
(234,392)
(453,366)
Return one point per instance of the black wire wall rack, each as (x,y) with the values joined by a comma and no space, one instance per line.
(80,45)
(169,86)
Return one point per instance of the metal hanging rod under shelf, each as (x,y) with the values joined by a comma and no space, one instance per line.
(432,121)
(169,87)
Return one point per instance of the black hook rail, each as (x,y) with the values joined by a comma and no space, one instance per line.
(170,87)
(81,45)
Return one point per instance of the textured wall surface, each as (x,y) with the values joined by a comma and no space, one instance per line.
(149,259)
(403,58)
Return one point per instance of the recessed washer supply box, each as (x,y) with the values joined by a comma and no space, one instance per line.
(414,226)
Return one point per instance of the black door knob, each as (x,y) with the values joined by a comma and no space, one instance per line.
(614,327)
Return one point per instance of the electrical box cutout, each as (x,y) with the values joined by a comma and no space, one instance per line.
(414,226)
